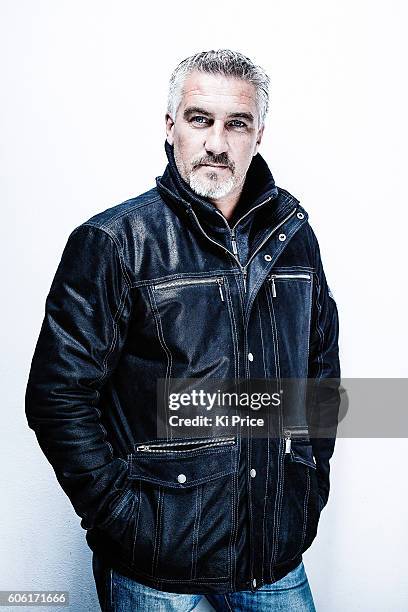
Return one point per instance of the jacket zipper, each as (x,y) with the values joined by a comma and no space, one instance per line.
(273,276)
(232,230)
(162,447)
(234,241)
(190,209)
(242,268)
(288,436)
(214,241)
(248,212)
(193,281)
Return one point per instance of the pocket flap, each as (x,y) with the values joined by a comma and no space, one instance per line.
(183,469)
(303,453)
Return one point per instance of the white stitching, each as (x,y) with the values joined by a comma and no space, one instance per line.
(162,341)
(227,602)
(280,478)
(136,530)
(156,532)
(232,323)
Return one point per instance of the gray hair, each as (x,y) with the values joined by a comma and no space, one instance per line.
(225,62)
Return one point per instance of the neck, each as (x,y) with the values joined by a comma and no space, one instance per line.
(228,203)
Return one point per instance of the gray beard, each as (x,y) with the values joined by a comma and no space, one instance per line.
(217,190)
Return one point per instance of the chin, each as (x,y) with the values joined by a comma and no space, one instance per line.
(209,190)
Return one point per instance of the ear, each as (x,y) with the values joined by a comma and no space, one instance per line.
(169,128)
(258,139)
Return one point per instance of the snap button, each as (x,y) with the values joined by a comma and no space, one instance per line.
(282,237)
(254,582)
(250,357)
(267,257)
(300,215)
(253,473)
(181,478)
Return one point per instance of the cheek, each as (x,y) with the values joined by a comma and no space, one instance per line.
(244,156)
(189,146)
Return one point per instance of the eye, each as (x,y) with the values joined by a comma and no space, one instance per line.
(237,123)
(199,119)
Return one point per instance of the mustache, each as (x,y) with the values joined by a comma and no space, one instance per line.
(216,160)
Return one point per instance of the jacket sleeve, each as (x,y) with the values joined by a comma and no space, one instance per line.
(80,340)
(323,373)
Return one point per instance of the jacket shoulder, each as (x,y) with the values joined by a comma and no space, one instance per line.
(111,218)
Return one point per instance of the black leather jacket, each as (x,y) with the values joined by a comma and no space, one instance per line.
(162,286)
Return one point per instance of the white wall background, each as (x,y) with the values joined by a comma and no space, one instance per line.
(84,86)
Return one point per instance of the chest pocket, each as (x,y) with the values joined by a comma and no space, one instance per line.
(196,326)
(290,303)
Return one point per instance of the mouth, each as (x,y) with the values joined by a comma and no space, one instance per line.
(214,165)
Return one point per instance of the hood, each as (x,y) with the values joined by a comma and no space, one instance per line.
(259,185)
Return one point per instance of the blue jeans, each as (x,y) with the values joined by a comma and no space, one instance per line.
(118,593)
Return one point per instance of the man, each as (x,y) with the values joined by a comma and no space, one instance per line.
(213,273)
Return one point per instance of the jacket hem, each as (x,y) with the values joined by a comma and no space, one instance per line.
(196,586)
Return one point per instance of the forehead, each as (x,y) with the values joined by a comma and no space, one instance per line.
(218,93)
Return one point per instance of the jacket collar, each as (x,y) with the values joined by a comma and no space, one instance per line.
(259,186)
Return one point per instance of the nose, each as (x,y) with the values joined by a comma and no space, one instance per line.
(215,140)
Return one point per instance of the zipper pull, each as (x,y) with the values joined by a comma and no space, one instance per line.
(220,281)
(234,242)
(143,447)
(244,275)
(288,442)
(273,286)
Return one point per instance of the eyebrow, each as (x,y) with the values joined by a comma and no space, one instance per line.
(197,109)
